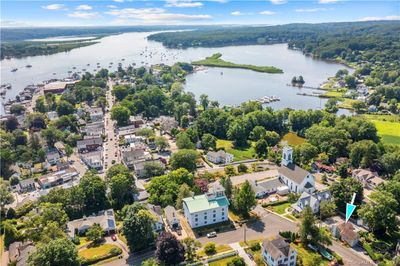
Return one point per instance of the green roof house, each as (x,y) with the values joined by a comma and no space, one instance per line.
(209,208)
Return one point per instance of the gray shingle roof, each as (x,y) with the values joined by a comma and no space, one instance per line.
(293,172)
(277,247)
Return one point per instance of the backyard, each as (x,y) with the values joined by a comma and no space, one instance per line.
(239,154)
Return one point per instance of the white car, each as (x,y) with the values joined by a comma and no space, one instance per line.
(212,234)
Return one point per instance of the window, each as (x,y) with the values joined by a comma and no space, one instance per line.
(214,215)
(292,257)
(196,224)
(196,219)
(205,222)
(223,214)
(214,210)
(195,215)
(214,220)
(205,217)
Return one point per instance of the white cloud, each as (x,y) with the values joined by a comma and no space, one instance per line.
(328,1)
(380,18)
(14,23)
(118,1)
(84,15)
(278,2)
(267,13)
(54,7)
(152,16)
(111,6)
(182,3)
(304,10)
(236,13)
(84,7)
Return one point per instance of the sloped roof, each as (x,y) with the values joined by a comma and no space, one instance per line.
(277,247)
(293,172)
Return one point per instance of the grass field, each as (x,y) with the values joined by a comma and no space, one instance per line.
(219,249)
(307,255)
(98,251)
(388,127)
(238,153)
(222,262)
(216,61)
(292,139)
(346,104)
(280,209)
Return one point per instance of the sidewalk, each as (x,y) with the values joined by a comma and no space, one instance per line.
(236,246)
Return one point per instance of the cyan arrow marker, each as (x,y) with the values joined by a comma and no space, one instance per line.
(350,207)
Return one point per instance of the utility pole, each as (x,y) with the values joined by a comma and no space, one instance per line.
(244,233)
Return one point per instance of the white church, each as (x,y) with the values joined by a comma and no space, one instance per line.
(296,178)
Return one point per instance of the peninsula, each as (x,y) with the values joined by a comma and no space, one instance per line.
(216,61)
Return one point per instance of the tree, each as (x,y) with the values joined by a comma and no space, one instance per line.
(150,262)
(11,123)
(331,106)
(261,148)
(137,229)
(162,143)
(245,199)
(17,109)
(120,92)
(120,114)
(257,133)
(380,214)
(184,159)
(190,245)
(242,168)
(204,101)
(210,248)
(342,171)
(64,108)
(94,192)
(237,261)
(308,230)
(6,196)
(359,106)
(52,135)
(184,192)
(306,152)
(391,162)
(208,142)
(153,169)
(226,182)
(363,153)
(350,81)
(169,250)
(55,252)
(230,170)
(122,189)
(237,132)
(10,232)
(94,233)
(118,169)
(343,191)
(272,138)
(327,209)
(68,150)
(184,142)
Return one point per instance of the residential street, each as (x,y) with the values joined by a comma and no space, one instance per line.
(111,145)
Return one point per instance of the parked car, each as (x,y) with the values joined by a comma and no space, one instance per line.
(250,256)
(212,234)
(114,238)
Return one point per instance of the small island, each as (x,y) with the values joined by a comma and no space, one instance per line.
(216,61)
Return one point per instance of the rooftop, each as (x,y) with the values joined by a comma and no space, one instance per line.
(293,172)
(201,203)
(277,247)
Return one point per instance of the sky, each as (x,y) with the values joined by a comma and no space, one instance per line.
(21,13)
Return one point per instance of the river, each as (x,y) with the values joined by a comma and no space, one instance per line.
(228,86)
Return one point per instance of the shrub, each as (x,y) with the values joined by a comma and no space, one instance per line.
(210,248)
(255,246)
(237,261)
(115,251)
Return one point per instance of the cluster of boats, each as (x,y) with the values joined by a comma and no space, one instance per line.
(268,99)
(16,69)
(4,88)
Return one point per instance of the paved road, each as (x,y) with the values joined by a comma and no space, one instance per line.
(269,225)
(111,151)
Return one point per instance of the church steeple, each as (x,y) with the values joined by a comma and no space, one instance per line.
(287,156)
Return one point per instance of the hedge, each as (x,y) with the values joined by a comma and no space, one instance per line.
(113,253)
(265,205)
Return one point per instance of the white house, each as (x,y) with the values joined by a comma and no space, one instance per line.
(296,178)
(52,156)
(96,114)
(278,252)
(265,187)
(206,209)
(219,157)
(171,217)
(313,200)
(156,211)
(93,159)
(105,219)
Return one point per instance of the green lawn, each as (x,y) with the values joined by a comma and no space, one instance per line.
(239,154)
(280,209)
(306,254)
(388,127)
(346,103)
(290,217)
(222,262)
(219,249)
(95,252)
(83,241)
(216,61)
(292,139)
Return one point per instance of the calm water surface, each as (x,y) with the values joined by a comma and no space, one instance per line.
(228,86)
